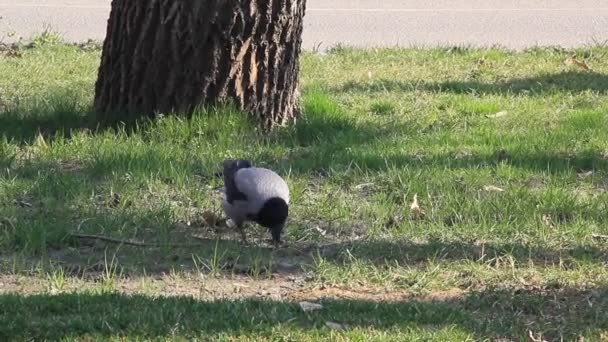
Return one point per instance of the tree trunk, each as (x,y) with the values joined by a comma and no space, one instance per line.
(162,56)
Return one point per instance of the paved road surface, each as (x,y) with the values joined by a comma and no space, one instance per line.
(511,23)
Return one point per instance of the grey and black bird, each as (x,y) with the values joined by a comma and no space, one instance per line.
(255,194)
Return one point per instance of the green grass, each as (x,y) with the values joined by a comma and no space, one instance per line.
(109,317)
(378,127)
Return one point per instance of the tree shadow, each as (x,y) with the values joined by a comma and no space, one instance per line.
(315,142)
(59,116)
(327,138)
(307,160)
(487,314)
(325,134)
(319,142)
(157,256)
(324,139)
(403,252)
(566,81)
(83,197)
(56,206)
(60,201)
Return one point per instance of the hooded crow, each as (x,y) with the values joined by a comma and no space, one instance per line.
(255,194)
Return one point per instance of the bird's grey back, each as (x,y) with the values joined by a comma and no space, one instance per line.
(260,184)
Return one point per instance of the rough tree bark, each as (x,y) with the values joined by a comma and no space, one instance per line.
(173,55)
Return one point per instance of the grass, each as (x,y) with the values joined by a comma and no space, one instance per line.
(379,126)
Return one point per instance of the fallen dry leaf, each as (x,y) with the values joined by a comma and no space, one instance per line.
(370,74)
(463,154)
(548,220)
(308,306)
(599,236)
(497,115)
(581,64)
(210,218)
(584,175)
(364,186)
(336,326)
(321,231)
(415,210)
(524,282)
(415,206)
(532,338)
(393,221)
(575,61)
(492,188)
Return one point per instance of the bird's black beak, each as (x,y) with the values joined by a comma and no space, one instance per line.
(276,235)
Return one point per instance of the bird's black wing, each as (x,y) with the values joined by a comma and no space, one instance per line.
(230,169)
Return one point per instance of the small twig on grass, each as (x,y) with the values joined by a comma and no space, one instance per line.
(128,242)
(202,239)
(599,236)
(113,240)
(132,242)
(325,249)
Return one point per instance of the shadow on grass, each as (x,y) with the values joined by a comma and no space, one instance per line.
(317,158)
(61,198)
(60,202)
(490,314)
(59,114)
(222,253)
(326,139)
(404,252)
(56,118)
(567,81)
(59,117)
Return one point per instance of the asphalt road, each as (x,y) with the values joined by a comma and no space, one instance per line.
(510,23)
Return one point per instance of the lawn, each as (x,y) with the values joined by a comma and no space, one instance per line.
(505,152)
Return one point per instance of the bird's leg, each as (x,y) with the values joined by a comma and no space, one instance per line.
(239,227)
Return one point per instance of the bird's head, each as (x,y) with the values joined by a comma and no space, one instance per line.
(232,165)
(242,164)
(273,216)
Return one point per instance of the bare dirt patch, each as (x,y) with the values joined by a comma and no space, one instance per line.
(238,287)
(373,294)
